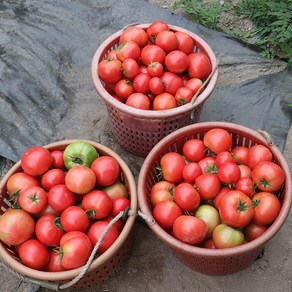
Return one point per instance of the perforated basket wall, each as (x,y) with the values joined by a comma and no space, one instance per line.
(203,260)
(106,264)
(139,130)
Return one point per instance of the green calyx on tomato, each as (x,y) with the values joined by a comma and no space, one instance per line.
(242,206)
(79,153)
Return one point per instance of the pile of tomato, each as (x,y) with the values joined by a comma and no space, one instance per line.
(61,203)
(154,68)
(214,195)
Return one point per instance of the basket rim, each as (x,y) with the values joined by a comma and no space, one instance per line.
(159,114)
(215,253)
(101,259)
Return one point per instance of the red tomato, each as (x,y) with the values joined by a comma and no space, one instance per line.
(138,100)
(165,213)
(229,173)
(216,199)
(253,231)
(76,248)
(124,88)
(110,70)
(119,224)
(240,154)
(155,28)
(128,49)
(33,199)
(155,69)
(225,236)
(141,83)
(164,101)
(49,211)
(116,190)
(167,40)
(208,185)
(176,61)
(74,218)
(208,165)
(245,171)
(194,150)
(119,205)
(55,262)
(156,86)
(235,209)
(97,204)
(217,140)
(189,229)
(185,42)
(152,53)
(194,84)
(48,230)
(36,160)
(130,68)
(172,164)
(191,171)
(16,226)
(172,82)
(52,178)
(266,208)
(183,95)
(257,154)
(246,185)
(199,66)
(34,254)
(112,54)
(209,243)
(268,176)
(95,231)
(57,159)
(222,157)
(80,179)
(17,182)
(135,34)
(186,197)
(162,190)
(106,170)
(60,198)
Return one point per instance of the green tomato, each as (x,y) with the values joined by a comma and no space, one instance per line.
(211,217)
(79,153)
(225,236)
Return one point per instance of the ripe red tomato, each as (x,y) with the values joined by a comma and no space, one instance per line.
(97,204)
(222,157)
(194,84)
(162,190)
(253,231)
(95,231)
(208,165)
(155,69)
(119,205)
(80,179)
(194,150)
(34,254)
(57,159)
(167,40)
(106,170)
(55,262)
(119,224)
(172,82)
(176,61)
(225,236)
(246,185)
(138,100)
(257,154)
(135,34)
(52,178)
(245,171)
(130,68)
(208,185)
(165,213)
(128,49)
(217,140)
(110,70)
(156,85)
(60,198)
(141,83)
(208,243)
(186,197)
(172,164)
(16,226)
(216,199)
(124,88)
(116,190)
(199,66)
(164,101)
(229,173)
(191,171)
(36,160)
(74,218)
(266,208)
(33,199)
(155,28)
(112,54)
(240,154)
(48,230)
(189,229)
(268,176)
(152,53)
(236,209)
(185,42)
(76,248)
(183,95)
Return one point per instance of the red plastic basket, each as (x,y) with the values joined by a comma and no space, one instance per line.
(106,264)
(203,260)
(139,130)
